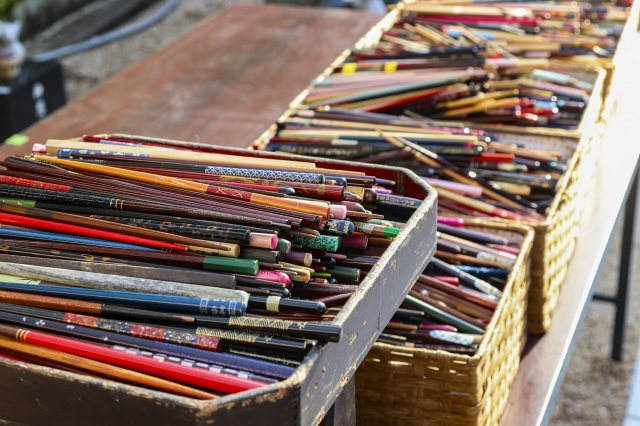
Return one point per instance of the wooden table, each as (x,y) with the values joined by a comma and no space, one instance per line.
(223,83)
(545,359)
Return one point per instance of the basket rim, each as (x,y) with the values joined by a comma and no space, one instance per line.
(528,233)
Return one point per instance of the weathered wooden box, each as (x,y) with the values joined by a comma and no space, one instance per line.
(36,395)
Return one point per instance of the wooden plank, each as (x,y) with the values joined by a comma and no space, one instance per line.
(59,398)
(224,82)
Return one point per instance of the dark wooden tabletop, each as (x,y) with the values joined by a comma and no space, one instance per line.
(224,82)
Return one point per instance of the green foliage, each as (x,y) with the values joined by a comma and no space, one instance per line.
(6,6)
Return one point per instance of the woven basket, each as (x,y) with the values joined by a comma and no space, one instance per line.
(406,386)
(555,237)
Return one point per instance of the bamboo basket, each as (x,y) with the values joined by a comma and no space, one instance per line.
(555,237)
(406,386)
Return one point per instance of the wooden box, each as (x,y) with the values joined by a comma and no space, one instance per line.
(40,395)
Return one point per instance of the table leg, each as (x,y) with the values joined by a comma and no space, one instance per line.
(343,411)
(624,273)
(625,270)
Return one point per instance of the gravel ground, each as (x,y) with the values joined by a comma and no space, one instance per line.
(595,389)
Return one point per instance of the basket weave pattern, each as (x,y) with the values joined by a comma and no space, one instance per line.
(555,239)
(406,386)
